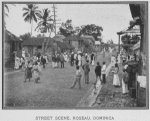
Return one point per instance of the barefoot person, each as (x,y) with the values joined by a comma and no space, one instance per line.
(77,78)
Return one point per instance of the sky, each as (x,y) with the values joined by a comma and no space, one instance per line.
(111,17)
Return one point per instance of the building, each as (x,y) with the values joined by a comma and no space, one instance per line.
(59,38)
(11,43)
(75,41)
(39,44)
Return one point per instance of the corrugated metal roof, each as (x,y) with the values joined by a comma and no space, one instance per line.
(38,41)
(73,38)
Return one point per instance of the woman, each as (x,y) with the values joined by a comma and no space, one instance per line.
(124,82)
(116,81)
(28,73)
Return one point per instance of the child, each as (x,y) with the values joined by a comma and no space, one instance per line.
(36,72)
(28,73)
(77,78)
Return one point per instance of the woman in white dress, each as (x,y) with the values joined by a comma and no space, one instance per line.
(116,80)
(119,61)
(124,82)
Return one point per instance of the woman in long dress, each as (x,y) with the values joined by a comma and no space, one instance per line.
(28,72)
(124,82)
(116,81)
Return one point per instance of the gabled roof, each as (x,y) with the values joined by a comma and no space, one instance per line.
(38,41)
(73,38)
(11,37)
(59,38)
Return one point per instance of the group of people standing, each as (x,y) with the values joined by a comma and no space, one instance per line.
(56,59)
(34,67)
(129,72)
(99,71)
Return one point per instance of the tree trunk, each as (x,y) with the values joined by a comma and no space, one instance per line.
(31,26)
(47,42)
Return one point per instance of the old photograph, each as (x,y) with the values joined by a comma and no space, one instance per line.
(75,55)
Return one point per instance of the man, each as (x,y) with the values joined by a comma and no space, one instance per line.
(86,71)
(79,60)
(53,61)
(62,60)
(104,73)
(43,60)
(77,78)
(57,60)
(72,59)
(98,72)
(92,58)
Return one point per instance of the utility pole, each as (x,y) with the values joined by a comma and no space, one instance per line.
(55,24)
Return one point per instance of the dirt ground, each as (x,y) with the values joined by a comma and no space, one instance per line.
(52,92)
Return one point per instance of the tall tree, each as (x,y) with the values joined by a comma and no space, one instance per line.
(66,28)
(25,36)
(31,13)
(6,9)
(92,30)
(46,23)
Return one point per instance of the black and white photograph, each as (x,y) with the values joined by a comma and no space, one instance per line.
(75,56)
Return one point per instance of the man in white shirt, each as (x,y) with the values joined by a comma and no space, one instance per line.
(79,60)
(103,73)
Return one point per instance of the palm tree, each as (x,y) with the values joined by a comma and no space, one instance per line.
(46,23)
(31,13)
(6,9)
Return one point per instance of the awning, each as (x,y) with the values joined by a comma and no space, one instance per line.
(136,46)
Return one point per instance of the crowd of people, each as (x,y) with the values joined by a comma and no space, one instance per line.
(130,68)
(33,67)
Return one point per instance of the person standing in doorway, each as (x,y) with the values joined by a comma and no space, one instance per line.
(103,73)
(86,69)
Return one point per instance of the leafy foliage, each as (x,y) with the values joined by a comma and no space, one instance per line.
(46,22)
(92,30)
(25,36)
(31,13)
(66,28)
